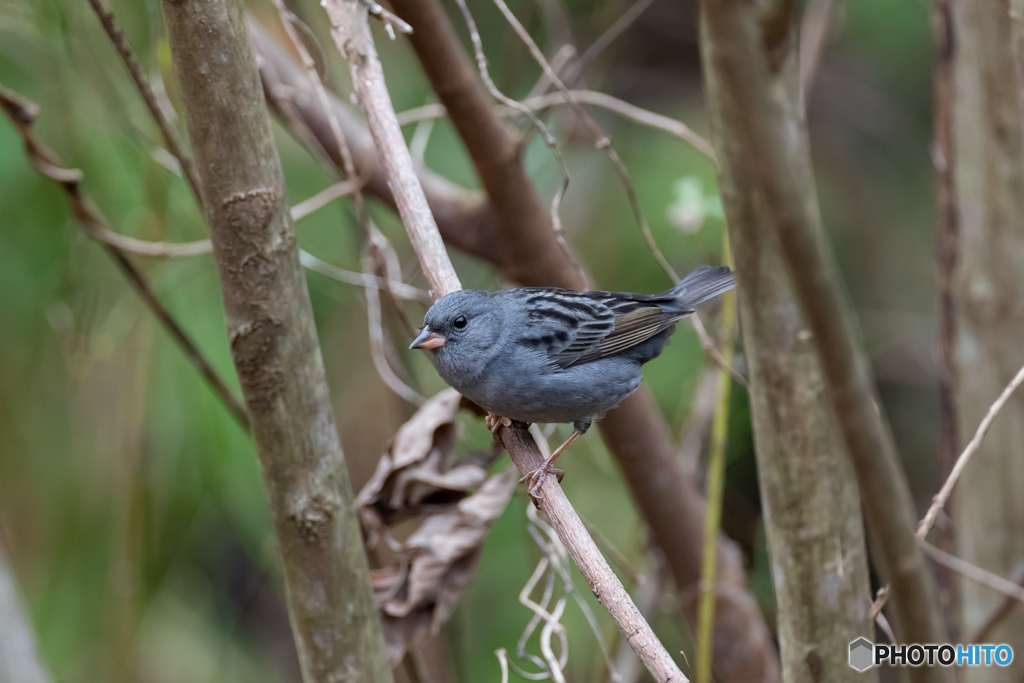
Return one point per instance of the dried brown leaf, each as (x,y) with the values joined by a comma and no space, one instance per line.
(419,475)
(417,595)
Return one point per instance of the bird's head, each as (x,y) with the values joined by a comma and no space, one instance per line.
(461,331)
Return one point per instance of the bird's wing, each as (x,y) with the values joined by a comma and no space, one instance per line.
(574,327)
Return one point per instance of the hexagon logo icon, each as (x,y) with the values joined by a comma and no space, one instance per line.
(861,654)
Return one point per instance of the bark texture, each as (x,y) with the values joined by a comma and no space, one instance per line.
(988,115)
(274,344)
(745,46)
(810,495)
(665,493)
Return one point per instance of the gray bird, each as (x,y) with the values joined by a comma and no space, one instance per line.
(542,354)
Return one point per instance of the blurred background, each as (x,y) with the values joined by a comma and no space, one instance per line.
(131,504)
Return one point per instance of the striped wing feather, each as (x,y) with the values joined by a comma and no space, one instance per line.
(575,328)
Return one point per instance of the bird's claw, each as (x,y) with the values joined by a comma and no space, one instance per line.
(494,422)
(535,479)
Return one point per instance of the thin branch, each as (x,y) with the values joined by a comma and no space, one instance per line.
(1000,612)
(625,20)
(22,113)
(715,489)
(323,198)
(602,141)
(597,99)
(375,324)
(349,277)
(595,569)
(997,583)
(549,139)
(351,33)
(352,36)
(131,63)
(972,446)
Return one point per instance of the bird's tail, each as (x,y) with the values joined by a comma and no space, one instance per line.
(700,285)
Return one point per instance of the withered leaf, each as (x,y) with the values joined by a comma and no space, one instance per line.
(419,477)
(418,595)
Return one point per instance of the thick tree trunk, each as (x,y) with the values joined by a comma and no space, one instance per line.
(746,47)
(989,511)
(274,344)
(810,494)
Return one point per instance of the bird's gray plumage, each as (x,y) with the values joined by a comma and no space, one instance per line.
(538,354)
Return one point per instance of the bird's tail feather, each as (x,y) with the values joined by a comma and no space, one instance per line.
(700,285)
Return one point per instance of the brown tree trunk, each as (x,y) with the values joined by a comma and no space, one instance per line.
(809,491)
(989,511)
(274,344)
(746,46)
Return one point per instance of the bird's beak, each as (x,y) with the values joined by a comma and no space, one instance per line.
(428,339)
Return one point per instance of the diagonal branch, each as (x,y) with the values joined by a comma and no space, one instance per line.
(351,32)
(22,113)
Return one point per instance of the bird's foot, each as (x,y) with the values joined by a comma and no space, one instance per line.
(535,479)
(495,422)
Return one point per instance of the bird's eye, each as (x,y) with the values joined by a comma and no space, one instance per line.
(460,322)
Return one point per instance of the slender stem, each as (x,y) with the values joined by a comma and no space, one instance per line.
(715,486)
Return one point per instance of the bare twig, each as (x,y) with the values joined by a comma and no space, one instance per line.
(22,113)
(627,19)
(274,344)
(401,290)
(549,139)
(997,583)
(323,198)
(595,569)
(1000,612)
(597,99)
(131,63)
(602,141)
(972,446)
(378,345)
(351,33)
